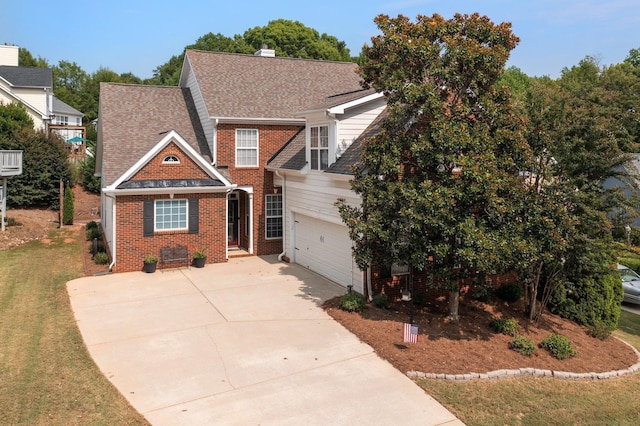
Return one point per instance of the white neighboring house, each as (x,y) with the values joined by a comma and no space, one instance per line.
(33,88)
(30,86)
(315,170)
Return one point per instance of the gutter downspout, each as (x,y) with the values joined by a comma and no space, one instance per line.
(113,231)
(284,214)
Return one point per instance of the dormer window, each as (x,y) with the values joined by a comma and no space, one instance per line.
(171,159)
(319,147)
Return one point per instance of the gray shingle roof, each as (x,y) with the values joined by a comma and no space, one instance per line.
(248,86)
(27,76)
(134,118)
(60,107)
(291,156)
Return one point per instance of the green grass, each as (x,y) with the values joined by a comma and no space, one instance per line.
(46,374)
(546,401)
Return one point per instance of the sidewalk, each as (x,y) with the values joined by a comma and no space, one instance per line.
(241,343)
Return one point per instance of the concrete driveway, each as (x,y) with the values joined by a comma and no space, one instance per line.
(241,343)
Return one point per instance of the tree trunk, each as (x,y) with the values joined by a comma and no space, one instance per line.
(533,303)
(454,302)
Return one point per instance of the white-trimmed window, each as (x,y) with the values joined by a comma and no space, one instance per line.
(171,215)
(62,120)
(273,210)
(319,147)
(246,147)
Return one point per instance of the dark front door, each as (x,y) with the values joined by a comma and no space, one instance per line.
(232,223)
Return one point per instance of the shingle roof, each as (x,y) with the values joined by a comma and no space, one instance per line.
(351,157)
(63,108)
(27,76)
(248,86)
(291,156)
(155,110)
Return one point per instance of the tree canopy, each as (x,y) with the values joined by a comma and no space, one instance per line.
(438,180)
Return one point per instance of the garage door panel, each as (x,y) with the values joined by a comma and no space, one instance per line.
(324,248)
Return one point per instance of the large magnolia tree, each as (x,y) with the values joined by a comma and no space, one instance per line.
(440,183)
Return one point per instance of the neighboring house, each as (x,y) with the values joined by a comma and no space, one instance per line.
(33,88)
(29,86)
(246,156)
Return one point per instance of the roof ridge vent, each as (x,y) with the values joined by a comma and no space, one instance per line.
(265,51)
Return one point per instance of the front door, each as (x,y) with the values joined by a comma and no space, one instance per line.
(232,223)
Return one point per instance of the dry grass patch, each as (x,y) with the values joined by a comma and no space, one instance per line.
(46,374)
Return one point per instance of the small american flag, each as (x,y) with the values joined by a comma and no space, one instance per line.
(410,333)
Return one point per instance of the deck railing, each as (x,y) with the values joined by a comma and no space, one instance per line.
(10,163)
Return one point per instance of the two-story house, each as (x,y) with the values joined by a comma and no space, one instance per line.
(237,160)
(32,87)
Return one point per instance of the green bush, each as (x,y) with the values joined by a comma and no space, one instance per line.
(559,346)
(523,345)
(599,331)
(630,262)
(68,209)
(381,300)
(92,233)
(507,326)
(101,258)
(510,292)
(92,225)
(352,302)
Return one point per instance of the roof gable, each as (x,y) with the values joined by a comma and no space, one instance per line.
(134,117)
(249,86)
(171,137)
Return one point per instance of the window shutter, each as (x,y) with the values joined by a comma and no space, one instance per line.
(148,218)
(194,216)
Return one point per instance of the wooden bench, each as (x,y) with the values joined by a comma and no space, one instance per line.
(177,254)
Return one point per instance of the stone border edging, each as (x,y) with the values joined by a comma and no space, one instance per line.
(505,374)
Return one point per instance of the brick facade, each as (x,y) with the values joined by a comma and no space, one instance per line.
(270,140)
(132,246)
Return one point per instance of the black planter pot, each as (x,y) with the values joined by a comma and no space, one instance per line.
(199,262)
(150,267)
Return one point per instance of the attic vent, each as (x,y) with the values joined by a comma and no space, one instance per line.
(265,51)
(171,159)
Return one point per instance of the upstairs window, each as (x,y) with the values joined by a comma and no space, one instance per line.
(246,147)
(319,148)
(62,120)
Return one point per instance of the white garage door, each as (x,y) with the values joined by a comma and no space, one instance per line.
(325,248)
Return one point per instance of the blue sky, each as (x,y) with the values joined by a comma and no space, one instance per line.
(139,35)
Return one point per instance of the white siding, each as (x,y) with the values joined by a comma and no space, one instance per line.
(106,220)
(203,113)
(313,196)
(356,120)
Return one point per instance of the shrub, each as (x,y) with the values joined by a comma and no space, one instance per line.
(522,345)
(92,233)
(101,258)
(559,346)
(599,330)
(510,292)
(420,299)
(352,302)
(381,300)
(505,326)
(68,209)
(630,262)
(92,225)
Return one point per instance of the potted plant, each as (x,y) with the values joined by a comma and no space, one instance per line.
(199,258)
(150,263)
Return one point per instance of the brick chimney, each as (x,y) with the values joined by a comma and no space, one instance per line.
(9,55)
(265,51)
